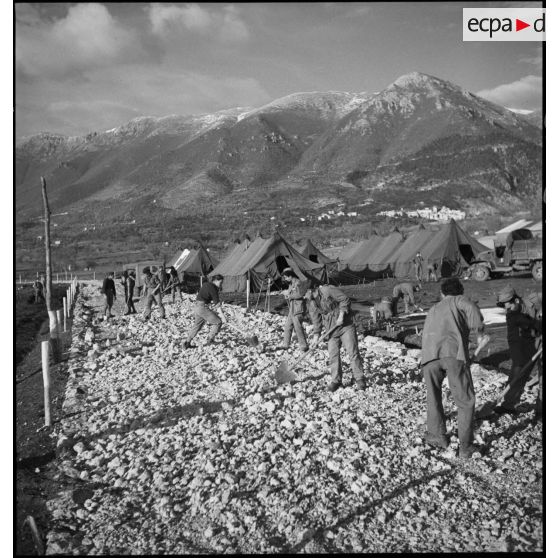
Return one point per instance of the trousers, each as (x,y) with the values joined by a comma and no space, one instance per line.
(109,301)
(294,321)
(202,315)
(154,299)
(347,337)
(462,390)
(521,353)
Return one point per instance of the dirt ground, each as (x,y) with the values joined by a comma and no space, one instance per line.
(36,446)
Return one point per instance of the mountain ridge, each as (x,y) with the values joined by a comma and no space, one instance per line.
(420,137)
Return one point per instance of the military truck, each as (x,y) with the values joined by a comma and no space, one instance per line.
(521,252)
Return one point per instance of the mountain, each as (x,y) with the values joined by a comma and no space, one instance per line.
(420,140)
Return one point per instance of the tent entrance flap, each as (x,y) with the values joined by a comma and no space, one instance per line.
(281,263)
(467,252)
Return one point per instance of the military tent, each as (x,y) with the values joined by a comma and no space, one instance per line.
(310,252)
(264,260)
(198,262)
(450,247)
(365,260)
(178,258)
(379,262)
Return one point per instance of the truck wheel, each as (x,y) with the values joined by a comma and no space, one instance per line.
(481,273)
(537,271)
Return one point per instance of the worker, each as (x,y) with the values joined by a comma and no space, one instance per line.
(432,272)
(445,352)
(152,290)
(297,307)
(523,328)
(39,290)
(406,291)
(382,310)
(330,307)
(417,261)
(174,283)
(207,296)
(130,285)
(163,278)
(109,290)
(534,302)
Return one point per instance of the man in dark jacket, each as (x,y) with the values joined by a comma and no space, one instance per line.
(330,307)
(209,294)
(152,289)
(297,307)
(109,290)
(406,291)
(445,352)
(523,329)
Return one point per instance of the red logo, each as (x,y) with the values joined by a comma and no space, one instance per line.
(519,25)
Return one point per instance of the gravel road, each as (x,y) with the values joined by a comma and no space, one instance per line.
(162,450)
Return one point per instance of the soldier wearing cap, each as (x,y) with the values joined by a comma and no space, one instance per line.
(523,328)
(208,294)
(297,307)
(152,289)
(445,352)
(406,291)
(330,307)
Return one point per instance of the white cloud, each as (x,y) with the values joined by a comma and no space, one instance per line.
(87,37)
(112,96)
(536,60)
(225,24)
(525,93)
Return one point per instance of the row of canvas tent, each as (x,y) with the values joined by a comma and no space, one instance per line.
(259,263)
(448,246)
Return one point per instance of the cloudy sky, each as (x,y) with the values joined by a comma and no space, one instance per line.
(83,67)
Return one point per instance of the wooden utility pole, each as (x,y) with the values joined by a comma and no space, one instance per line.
(53,321)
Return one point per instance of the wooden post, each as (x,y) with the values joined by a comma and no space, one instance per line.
(66,315)
(53,322)
(57,278)
(46,380)
(247,291)
(93,275)
(20,278)
(201,280)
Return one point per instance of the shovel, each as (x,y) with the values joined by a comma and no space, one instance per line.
(252,340)
(286,374)
(488,408)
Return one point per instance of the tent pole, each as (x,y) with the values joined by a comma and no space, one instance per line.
(247,291)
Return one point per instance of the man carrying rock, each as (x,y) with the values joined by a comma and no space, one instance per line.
(445,352)
(523,327)
(406,291)
(152,289)
(297,307)
(208,294)
(330,307)
(109,290)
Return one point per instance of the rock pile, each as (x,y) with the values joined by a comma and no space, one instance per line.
(171,451)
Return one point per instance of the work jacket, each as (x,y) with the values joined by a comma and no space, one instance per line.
(447,328)
(404,290)
(325,308)
(295,296)
(151,285)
